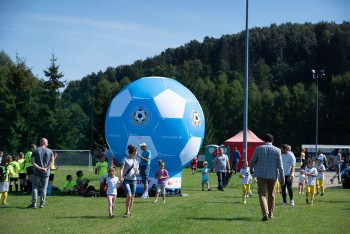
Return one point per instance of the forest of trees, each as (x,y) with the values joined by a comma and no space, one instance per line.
(282,92)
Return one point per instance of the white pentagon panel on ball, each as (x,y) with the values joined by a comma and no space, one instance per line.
(119,103)
(170,104)
(190,150)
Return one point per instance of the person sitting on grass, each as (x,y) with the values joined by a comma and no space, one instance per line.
(81,183)
(69,185)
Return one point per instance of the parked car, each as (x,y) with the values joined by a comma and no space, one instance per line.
(345,177)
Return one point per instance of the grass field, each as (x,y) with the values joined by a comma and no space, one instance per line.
(199,212)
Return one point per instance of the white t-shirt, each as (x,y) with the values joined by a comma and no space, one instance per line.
(247,176)
(301,178)
(311,180)
(288,160)
(320,174)
(128,162)
(112,185)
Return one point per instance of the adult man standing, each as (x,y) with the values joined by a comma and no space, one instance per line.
(109,155)
(42,159)
(221,165)
(288,160)
(236,155)
(145,165)
(266,164)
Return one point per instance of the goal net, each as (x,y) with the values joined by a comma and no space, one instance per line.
(74,158)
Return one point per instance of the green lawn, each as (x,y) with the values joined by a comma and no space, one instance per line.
(199,211)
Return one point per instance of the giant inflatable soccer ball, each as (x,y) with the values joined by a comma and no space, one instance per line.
(162,113)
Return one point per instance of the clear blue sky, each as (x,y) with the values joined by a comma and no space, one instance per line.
(90,35)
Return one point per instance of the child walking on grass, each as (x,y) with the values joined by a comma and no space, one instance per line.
(311,173)
(301,181)
(205,176)
(112,185)
(246,180)
(162,174)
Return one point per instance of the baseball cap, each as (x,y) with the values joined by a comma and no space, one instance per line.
(143,144)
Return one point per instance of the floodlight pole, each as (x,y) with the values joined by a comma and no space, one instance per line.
(316,75)
(245,108)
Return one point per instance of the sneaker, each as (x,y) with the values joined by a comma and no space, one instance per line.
(317,193)
(41,206)
(32,206)
(250,194)
(265,217)
(284,204)
(331,181)
(339,182)
(307,201)
(322,194)
(155,201)
(111,216)
(299,192)
(209,189)
(292,202)
(163,201)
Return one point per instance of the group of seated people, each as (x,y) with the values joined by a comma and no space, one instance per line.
(78,186)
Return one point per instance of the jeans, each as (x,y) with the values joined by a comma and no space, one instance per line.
(221,175)
(288,185)
(130,187)
(266,191)
(39,182)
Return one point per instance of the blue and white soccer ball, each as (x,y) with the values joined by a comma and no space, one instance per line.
(162,113)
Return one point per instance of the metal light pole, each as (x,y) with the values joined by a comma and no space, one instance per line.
(245,111)
(316,75)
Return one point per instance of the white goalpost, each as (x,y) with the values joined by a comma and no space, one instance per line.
(74,158)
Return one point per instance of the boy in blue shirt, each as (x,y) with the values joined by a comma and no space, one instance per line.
(205,176)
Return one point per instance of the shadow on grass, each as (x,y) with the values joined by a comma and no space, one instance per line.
(222,219)
(331,201)
(82,217)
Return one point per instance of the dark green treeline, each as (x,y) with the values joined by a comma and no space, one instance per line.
(282,93)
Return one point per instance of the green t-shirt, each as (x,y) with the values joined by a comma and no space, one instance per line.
(22,168)
(103,168)
(15,169)
(28,159)
(69,184)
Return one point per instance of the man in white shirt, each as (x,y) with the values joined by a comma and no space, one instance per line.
(288,160)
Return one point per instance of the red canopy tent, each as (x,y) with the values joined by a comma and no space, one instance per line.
(237,140)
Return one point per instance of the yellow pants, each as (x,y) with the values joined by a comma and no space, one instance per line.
(320,185)
(310,193)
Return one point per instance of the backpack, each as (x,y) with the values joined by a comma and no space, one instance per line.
(3,172)
(90,192)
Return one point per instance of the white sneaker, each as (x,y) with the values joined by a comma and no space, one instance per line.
(292,202)
(155,201)
(163,201)
(284,204)
(145,195)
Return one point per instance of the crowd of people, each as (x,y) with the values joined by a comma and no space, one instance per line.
(272,168)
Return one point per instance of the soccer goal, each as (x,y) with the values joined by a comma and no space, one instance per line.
(74,158)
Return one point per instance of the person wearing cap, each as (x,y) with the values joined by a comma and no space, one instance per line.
(145,164)
(205,176)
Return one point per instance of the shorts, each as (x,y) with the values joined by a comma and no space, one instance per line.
(144,171)
(51,177)
(160,188)
(245,188)
(29,170)
(13,179)
(320,182)
(205,181)
(311,189)
(22,176)
(130,187)
(4,187)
